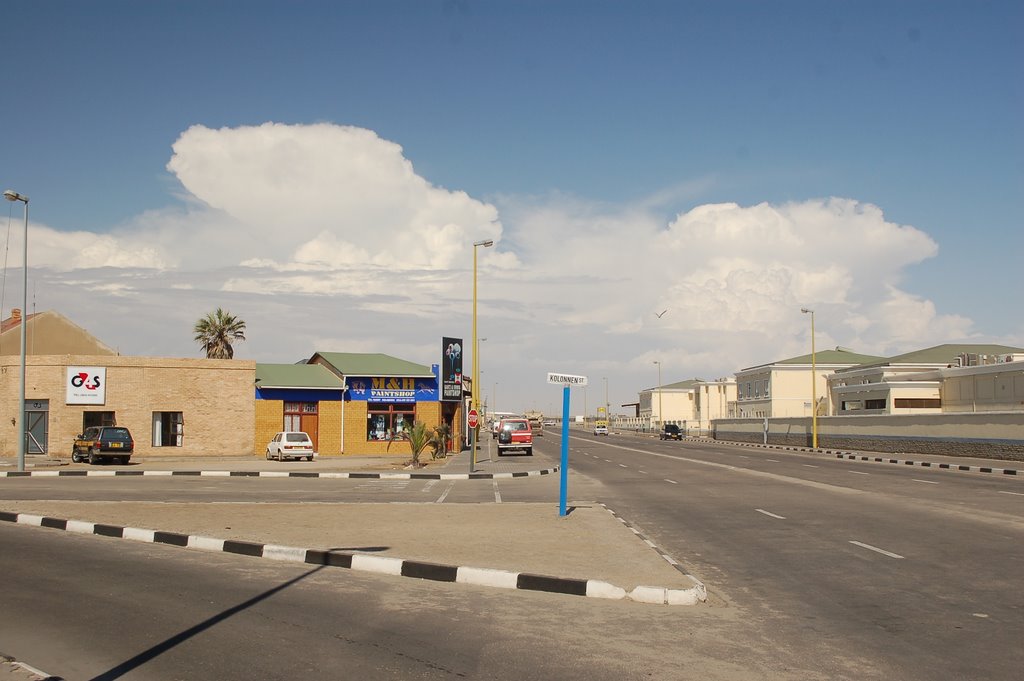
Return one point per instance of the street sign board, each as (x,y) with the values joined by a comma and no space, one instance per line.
(474,418)
(566,379)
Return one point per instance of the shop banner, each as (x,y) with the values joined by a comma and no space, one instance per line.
(451,369)
(86,385)
(390,389)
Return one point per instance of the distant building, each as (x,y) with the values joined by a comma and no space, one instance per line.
(784,388)
(949,377)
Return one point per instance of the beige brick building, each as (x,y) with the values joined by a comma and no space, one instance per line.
(183,407)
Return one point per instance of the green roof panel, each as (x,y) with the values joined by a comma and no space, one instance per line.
(296,376)
(372,364)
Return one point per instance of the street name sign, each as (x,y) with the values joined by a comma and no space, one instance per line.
(566,379)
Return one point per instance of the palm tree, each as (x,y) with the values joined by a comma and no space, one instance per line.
(419,437)
(217,331)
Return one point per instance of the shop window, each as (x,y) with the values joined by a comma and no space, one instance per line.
(168,428)
(293,413)
(917,403)
(93,419)
(389,421)
(874,404)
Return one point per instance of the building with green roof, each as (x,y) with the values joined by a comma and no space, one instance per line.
(914,382)
(784,388)
(351,403)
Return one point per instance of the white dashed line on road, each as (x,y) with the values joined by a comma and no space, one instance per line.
(443,496)
(622,465)
(497,494)
(869,547)
(808,465)
(858,472)
(1016,494)
(772,460)
(769,514)
(672,481)
(927,482)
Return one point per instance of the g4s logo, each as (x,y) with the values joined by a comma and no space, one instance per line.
(83,380)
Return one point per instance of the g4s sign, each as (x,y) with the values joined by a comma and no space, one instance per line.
(86,385)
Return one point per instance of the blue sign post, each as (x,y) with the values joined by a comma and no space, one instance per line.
(567,381)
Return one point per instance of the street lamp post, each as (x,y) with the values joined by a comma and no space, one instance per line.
(814,384)
(661,414)
(607,412)
(486,243)
(22,431)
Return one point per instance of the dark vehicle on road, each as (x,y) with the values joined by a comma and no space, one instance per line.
(671,432)
(103,442)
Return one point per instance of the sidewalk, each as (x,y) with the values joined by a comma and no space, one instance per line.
(589,543)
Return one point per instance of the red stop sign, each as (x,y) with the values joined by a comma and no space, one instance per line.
(473,418)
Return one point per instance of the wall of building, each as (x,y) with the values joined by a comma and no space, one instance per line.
(215,398)
(985,435)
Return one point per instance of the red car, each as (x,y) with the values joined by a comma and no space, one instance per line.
(515,435)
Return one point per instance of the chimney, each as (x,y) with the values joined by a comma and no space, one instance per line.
(16,314)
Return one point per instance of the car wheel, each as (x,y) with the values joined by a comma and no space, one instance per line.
(309,458)
(529,451)
(94,457)
(75,458)
(268,454)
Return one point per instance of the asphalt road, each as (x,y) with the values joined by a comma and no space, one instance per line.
(887,571)
(930,590)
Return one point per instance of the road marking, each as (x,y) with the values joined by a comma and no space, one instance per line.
(672,481)
(497,494)
(808,465)
(772,460)
(742,456)
(876,549)
(858,472)
(644,472)
(622,465)
(443,496)
(772,515)
(927,482)
(609,461)
(1016,494)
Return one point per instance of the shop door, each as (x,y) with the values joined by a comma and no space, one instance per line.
(309,424)
(37,420)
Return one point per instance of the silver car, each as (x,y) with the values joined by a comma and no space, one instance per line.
(290,445)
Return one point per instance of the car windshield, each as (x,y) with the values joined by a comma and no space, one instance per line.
(516,425)
(297,437)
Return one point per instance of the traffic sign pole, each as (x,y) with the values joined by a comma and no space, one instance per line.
(563,487)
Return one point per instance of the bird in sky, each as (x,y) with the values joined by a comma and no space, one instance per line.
(659,314)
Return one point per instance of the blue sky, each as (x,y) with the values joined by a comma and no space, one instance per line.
(873,152)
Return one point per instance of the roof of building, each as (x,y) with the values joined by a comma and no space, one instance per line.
(688,384)
(945,354)
(296,376)
(49,333)
(371,364)
(840,356)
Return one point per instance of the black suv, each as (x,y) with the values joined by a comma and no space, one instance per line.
(671,432)
(103,442)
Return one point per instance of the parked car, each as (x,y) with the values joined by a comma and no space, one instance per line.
(515,435)
(601,428)
(290,445)
(671,432)
(98,443)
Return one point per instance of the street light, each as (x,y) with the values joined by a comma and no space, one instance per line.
(607,415)
(486,243)
(22,431)
(661,414)
(814,384)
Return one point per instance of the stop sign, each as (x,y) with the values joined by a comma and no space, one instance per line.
(473,418)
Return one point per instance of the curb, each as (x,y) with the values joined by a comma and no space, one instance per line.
(276,474)
(856,456)
(385,565)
